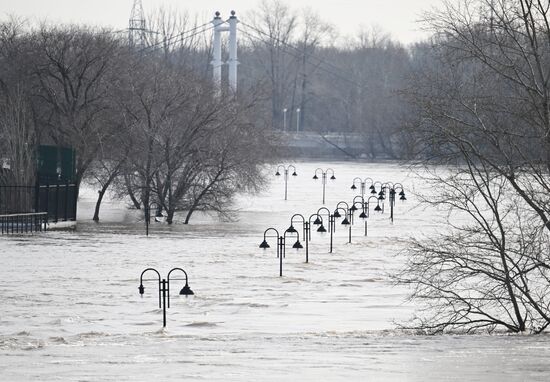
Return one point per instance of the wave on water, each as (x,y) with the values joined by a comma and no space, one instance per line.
(58,340)
(92,334)
(17,343)
(202,324)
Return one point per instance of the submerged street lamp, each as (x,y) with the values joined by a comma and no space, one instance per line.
(330,224)
(362,215)
(306,225)
(281,247)
(347,216)
(392,192)
(377,208)
(286,171)
(164,289)
(324,178)
(363,184)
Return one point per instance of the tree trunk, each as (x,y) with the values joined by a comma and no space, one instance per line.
(101,194)
(135,202)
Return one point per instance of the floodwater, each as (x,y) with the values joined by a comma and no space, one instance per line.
(70,307)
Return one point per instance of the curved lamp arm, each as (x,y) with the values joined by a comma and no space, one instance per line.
(142,289)
(185,290)
(271,229)
(317,216)
(292,222)
(342,202)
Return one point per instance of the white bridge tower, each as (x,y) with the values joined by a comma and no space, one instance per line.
(217,62)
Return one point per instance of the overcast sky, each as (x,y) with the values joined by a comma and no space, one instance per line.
(397,17)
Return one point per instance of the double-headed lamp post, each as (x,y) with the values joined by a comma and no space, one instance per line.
(306,224)
(330,219)
(347,215)
(285,172)
(324,178)
(164,289)
(362,215)
(392,192)
(377,208)
(281,247)
(362,183)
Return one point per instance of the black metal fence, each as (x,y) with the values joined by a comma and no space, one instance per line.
(57,201)
(23,223)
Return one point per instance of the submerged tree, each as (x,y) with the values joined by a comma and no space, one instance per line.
(485,107)
(189,149)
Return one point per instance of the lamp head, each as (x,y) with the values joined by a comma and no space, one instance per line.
(264,245)
(403,197)
(353,208)
(321,229)
(186,291)
(297,245)
(345,221)
(381,197)
(277,173)
(353,187)
(141,289)
(377,208)
(332,177)
(291,229)
(363,215)
(372,187)
(317,221)
(315,177)
(337,214)
(294,174)
(402,193)
(373,190)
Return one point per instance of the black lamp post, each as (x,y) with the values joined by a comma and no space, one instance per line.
(347,216)
(363,215)
(373,187)
(402,196)
(318,221)
(286,171)
(392,192)
(377,208)
(148,214)
(324,178)
(330,224)
(363,184)
(306,231)
(164,289)
(281,248)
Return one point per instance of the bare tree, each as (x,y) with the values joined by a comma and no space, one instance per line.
(18,132)
(273,29)
(484,102)
(73,70)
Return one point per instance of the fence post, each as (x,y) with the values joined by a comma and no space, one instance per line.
(75,199)
(66,200)
(37,196)
(47,207)
(57,202)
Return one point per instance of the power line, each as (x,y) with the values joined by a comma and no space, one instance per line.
(299,54)
(180,36)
